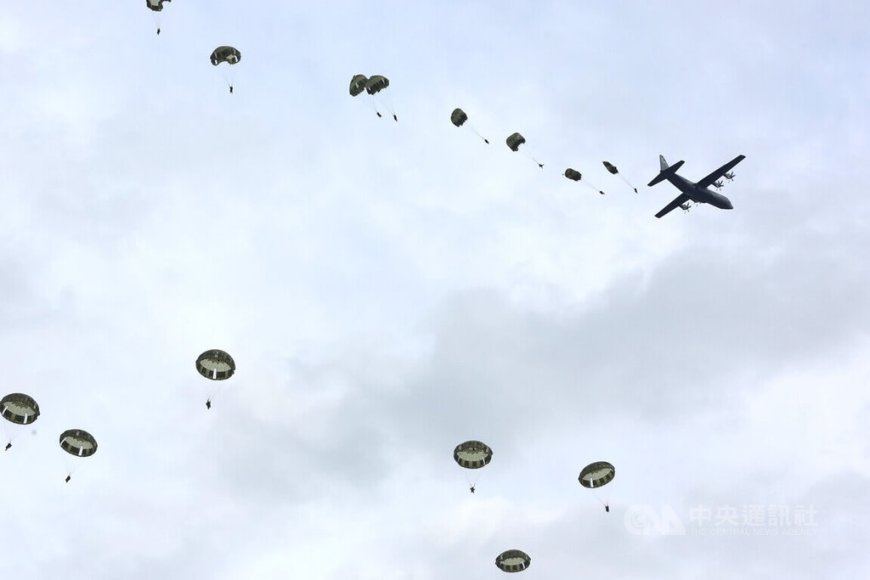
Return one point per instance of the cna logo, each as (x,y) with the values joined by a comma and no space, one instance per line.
(723,520)
(648,520)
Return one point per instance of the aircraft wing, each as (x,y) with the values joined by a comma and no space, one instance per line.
(708,181)
(679,200)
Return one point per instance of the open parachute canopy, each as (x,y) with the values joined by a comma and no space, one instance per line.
(156,5)
(78,442)
(19,408)
(358,84)
(513,561)
(458,117)
(514,141)
(472,454)
(216,365)
(597,474)
(573,174)
(376,84)
(227,54)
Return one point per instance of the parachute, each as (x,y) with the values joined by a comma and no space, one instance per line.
(229,55)
(458,118)
(597,474)
(513,561)
(20,409)
(472,454)
(357,84)
(575,175)
(614,171)
(514,141)
(376,84)
(156,6)
(78,443)
(215,365)
(373,86)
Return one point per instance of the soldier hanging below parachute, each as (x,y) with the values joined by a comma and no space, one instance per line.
(596,475)
(156,6)
(19,409)
(575,175)
(613,170)
(78,443)
(229,55)
(375,85)
(514,141)
(458,118)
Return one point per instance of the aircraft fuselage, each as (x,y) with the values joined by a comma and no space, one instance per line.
(699,194)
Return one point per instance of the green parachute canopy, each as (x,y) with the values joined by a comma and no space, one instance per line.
(458,117)
(514,141)
(156,5)
(472,454)
(376,84)
(358,84)
(513,561)
(19,408)
(216,365)
(227,54)
(597,474)
(78,442)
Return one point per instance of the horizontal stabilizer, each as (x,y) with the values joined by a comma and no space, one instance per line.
(666,172)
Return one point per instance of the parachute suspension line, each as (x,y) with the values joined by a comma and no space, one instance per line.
(592,187)
(485,140)
(371,102)
(538,163)
(388,103)
(627,182)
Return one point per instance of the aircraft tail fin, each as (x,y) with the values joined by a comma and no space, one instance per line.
(666,170)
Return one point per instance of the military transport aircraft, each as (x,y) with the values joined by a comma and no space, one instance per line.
(696,192)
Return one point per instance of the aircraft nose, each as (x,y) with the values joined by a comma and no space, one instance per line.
(727,204)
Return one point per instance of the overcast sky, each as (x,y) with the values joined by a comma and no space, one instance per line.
(389,290)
